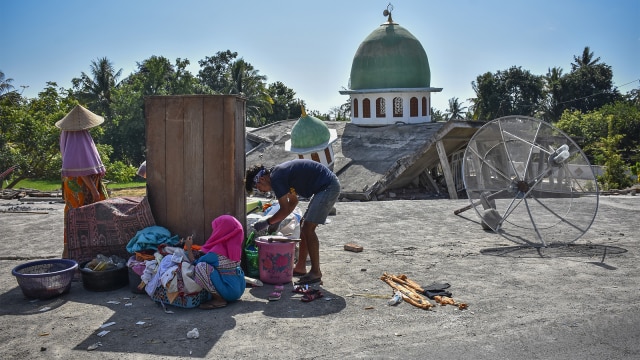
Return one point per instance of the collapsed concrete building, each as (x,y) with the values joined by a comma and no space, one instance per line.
(424,160)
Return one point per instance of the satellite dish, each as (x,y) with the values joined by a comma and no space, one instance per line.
(529,182)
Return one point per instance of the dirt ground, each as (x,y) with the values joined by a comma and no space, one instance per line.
(569,302)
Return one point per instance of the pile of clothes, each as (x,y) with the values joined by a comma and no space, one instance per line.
(165,271)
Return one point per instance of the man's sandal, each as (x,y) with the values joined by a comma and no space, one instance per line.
(311,295)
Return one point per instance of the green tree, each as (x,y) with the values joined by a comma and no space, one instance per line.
(589,129)
(184,82)
(155,75)
(455,111)
(214,71)
(285,105)
(437,115)
(589,85)
(633,97)
(9,111)
(5,84)
(551,106)
(127,135)
(94,89)
(345,111)
(585,60)
(223,74)
(624,119)
(126,132)
(615,174)
(586,130)
(247,82)
(340,113)
(32,140)
(511,92)
(7,93)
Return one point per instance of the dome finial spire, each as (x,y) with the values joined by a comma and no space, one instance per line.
(304,112)
(387,12)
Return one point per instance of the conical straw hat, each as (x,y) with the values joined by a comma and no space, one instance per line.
(79,119)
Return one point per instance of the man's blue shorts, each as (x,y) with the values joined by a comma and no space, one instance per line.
(322,203)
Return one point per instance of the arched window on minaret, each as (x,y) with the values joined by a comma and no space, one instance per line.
(413,107)
(397,107)
(366,108)
(380,108)
(355,108)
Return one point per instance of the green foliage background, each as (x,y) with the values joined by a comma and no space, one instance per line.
(583,102)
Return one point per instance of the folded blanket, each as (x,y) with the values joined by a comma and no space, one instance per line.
(150,237)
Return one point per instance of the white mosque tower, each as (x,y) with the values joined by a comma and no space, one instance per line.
(390,78)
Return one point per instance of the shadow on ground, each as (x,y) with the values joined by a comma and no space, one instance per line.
(137,317)
(589,251)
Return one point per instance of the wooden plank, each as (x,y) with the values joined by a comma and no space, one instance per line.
(174,150)
(192,172)
(213,147)
(227,152)
(446,169)
(155,111)
(240,200)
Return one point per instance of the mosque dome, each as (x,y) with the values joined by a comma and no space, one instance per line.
(390,57)
(309,132)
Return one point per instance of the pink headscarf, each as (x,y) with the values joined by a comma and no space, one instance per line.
(79,154)
(226,239)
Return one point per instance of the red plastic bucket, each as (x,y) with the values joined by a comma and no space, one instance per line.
(275,260)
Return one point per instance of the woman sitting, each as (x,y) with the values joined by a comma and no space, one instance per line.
(217,269)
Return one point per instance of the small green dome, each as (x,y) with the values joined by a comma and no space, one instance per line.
(308,132)
(390,57)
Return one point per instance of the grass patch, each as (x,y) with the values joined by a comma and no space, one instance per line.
(53,185)
(42,185)
(127,185)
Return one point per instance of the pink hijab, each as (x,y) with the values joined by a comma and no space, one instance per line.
(79,154)
(226,239)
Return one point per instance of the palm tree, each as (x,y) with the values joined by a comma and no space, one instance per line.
(584,61)
(248,83)
(95,90)
(456,110)
(552,105)
(5,84)
(589,86)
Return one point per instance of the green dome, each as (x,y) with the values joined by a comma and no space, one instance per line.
(390,57)
(308,132)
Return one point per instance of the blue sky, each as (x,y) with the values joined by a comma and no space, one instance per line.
(309,45)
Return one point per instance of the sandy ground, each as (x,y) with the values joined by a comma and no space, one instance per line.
(570,302)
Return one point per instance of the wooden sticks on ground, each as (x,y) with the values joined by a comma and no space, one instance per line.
(409,294)
(414,293)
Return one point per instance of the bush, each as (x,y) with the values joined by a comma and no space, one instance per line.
(120,172)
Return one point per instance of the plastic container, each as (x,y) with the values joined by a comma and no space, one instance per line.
(275,260)
(104,280)
(44,279)
(254,206)
(252,257)
(134,281)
